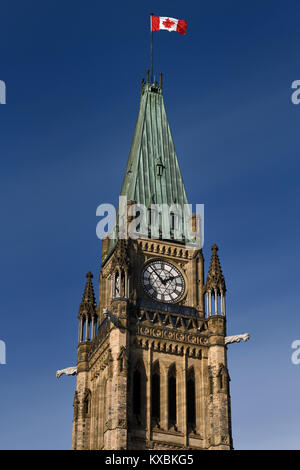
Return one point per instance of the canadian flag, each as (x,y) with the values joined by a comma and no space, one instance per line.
(170,24)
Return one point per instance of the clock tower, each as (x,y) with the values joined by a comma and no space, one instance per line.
(152,360)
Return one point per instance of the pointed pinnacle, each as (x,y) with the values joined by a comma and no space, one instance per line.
(88,294)
(215,278)
(88,303)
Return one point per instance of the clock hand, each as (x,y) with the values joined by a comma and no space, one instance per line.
(162,280)
(156,275)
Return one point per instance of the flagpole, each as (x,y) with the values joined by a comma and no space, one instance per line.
(151,50)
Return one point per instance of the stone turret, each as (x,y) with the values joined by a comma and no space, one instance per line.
(87,315)
(219,394)
(215,286)
(155,376)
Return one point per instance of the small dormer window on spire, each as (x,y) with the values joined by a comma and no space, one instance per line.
(160,167)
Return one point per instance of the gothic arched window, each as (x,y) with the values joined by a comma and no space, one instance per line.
(172,395)
(191,399)
(155,393)
(139,393)
(172,216)
(122,289)
(117,285)
(87,402)
(222,377)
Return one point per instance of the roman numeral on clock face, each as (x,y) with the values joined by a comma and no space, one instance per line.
(163,281)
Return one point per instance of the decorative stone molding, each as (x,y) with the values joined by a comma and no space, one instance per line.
(169,348)
(178,336)
(103,332)
(160,445)
(165,249)
(104,360)
(121,259)
(170,320)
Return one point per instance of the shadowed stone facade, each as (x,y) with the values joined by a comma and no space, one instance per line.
(152,374)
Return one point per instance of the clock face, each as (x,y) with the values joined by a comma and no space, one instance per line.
(163,281)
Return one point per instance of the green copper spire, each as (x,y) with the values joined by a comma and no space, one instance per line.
(152,174)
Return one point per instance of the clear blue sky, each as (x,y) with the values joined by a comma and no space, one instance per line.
(73,71)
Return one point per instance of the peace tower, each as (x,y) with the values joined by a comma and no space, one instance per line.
(152,356)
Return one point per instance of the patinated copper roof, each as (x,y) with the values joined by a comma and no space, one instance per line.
(153,174)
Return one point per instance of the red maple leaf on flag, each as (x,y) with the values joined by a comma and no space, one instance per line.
(168,23)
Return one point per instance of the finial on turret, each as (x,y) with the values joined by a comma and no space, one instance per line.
(88,299)
(147,76)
